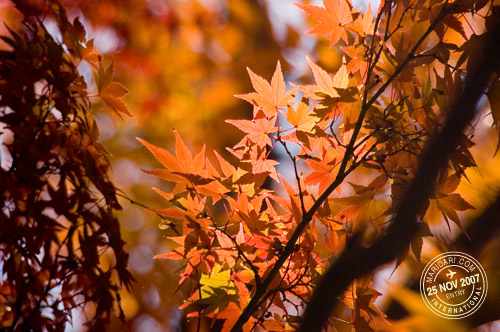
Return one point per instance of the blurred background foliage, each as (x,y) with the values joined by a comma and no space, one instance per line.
(183,60)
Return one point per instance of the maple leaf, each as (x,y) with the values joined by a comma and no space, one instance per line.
(325,82)
(449,205)
(218,279)
(293,203)
(332,19)
(364,306)
(363,25)
(363,206)
(358,61)
(268,96)
(265,165)
(301,118)
(224,240)
(182,167)
(227,170)
(111,93)
(257,130)
(323,170)
(249,216)
(323,79)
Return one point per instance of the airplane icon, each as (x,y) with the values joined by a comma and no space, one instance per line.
(450,274)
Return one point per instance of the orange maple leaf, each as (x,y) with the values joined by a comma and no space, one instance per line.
(331,19)
(265,166)
(323,171)
(257,130)
(364,24)
(323,79)
(325,82)
(182,167)
(269,96)
(302,118)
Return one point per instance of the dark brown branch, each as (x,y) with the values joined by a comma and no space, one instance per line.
(357,261)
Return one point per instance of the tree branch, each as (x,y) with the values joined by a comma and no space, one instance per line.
(341,175)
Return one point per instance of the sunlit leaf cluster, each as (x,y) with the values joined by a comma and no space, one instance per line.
(351,143)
